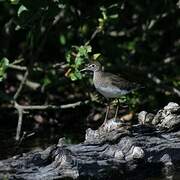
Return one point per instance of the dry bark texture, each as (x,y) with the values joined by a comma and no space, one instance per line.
(114,150)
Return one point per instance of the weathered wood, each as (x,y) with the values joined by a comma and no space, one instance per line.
(113,150)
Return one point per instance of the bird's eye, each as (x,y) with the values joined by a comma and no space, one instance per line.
(93,65)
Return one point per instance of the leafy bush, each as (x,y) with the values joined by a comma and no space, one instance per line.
(137,38)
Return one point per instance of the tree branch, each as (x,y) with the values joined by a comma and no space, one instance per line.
(44,107)
(175,90)
(17,67)
(21,108)
(20,119)
(21,85)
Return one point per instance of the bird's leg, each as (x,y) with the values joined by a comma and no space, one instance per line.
(107,111)
(117,108)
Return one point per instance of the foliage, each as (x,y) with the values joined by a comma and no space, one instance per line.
(56,38)
(76,59)
(3,66)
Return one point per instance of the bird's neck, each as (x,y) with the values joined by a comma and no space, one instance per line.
(97,75)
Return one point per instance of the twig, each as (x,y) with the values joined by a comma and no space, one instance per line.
(33,57)
(97,30)
(20,119)
(44,107)
(24,136)
(58,17)
(154,78)
(61,65)
(30,84)
(21,85)
(17,67)
(21,108)
(176,91)
(17,61)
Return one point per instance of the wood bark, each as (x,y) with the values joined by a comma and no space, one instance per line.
(114,150)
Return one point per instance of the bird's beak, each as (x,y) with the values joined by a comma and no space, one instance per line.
(85,69)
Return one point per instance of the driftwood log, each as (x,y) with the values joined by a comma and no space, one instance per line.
(114,150)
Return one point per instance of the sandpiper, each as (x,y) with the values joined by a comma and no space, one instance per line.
(109,85)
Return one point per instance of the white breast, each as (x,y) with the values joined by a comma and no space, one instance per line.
(111,92)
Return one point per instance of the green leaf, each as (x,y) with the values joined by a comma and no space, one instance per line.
(62,39)
(114,16)
(75,58)
(35,5)
(21,9)
(72,76)
(78,74)
(14,1)
(46,81)
(3,66)
(68,57)
(96,56)
(4,61)
(89,48)
(78,61)
(82,51)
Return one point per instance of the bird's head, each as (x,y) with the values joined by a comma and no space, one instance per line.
(93,66)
